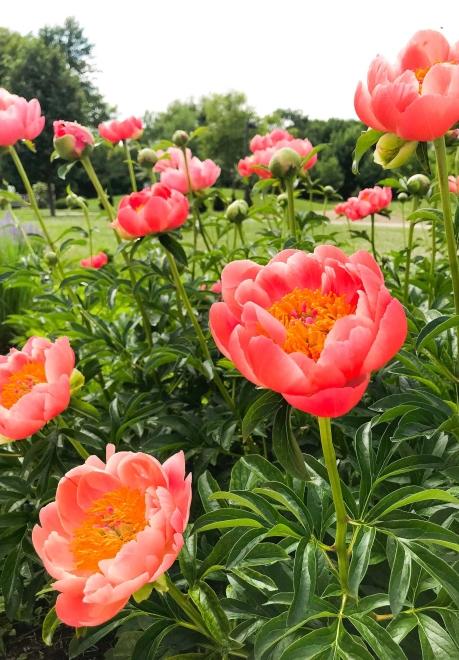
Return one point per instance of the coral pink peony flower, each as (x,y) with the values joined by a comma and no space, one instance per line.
(309,326)
(369,201)
(115,131)
(113,528)
(453,184)
(264,147)
(72,140)
(19,119)
(417,98)
(151,210)
(203,174)
(96,261)
(34,386)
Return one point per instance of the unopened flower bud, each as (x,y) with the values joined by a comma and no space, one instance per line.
(147,158)
(418,184)
(180,138)
(71,140)
(402,197)
(328,191)
(391,151)
(237,211)
(282,199)
(50,258)
(285,163)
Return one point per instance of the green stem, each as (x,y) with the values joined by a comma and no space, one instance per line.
(338,501)
(194,203)
(130,166)
(84,208)
(33,203)
(372,235)
(234,237)
(185,605)
(92,175)
(291,207)
(442,174)
(241,233)
(182,294)
(23,233)
(432,264)
(409,250)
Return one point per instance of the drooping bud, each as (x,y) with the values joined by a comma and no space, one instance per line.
(285,163)
(418,185)
(237,211)
(71,140)
(147,158)
(180,138)
(391,151)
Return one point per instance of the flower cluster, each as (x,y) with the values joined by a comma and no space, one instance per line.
(368,202)
(263,148)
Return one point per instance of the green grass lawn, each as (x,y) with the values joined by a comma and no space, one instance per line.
(387,237)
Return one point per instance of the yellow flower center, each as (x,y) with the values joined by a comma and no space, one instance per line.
(308,316)
(21,382)
(111,521)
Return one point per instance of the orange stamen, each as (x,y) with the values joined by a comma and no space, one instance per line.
(21,382)
(110,522)
(308,316)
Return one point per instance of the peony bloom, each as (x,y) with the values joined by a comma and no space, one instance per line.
(216,287)
(309,326)
(417,98)
(203,174)
(116,131)
(263,148)
(34,386)
(72,141)
(369,201)
(453,184)
(113,528)
(19,119)
(150,211)
(96,261)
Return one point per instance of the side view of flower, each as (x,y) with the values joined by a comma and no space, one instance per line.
(97,261)
(116,131)
(113,528)
(173,171)
(19,119)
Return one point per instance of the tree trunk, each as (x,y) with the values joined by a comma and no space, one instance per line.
(51,199)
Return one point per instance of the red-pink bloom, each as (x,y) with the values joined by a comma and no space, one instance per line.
(369,201)
(417,98)
(216,287)
(264,147)
(113,528)
(96,261)
(203,174)
(72,140)
(116,131)
(379,198)
(34,386)
(151,210)
(453,184)
(309,326)
(19,119)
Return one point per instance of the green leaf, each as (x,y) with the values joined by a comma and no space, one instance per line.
(49,626)
(208,604)
(264,406)
(364,142)
(147,645)
(422,154)
(312,645)
(435,641)
(435,328)
(206,486)
(11,582)
(281,493)
(63,170)
(408,464)
(285,446)
(187,558)
(304,580)
(422,531)
(217,557)
(361,553)
(252,501)
(442,572)
(351,648)
(173,246)
(228,517)
(243,546)
(263,469)
(404,496)
(400,577)
(255,579)
(401,626)
(365,458)
(80,644)
(377,638)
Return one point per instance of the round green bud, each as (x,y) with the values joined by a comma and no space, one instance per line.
(328,191)
(50,258)
(391,151)
(418,184)
(147,158)
(237,211)
(402,197)
(282,199)
(180,138)
(285,163)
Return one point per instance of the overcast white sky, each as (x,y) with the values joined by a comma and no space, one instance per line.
(300,54)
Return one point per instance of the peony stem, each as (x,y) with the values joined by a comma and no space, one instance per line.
(442,174)
(194,204)
(409,250)
(92,175)
(372,236)
(182,294)
(88,224)
(291,207)
(33,203)
(130,166)
(338,501)
(432,263)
